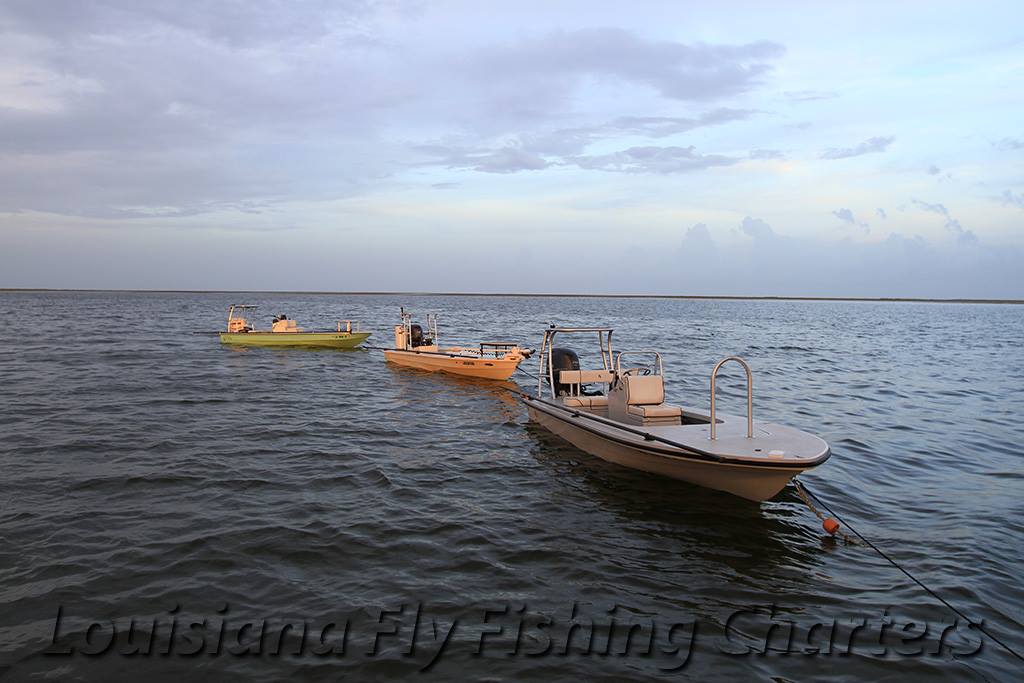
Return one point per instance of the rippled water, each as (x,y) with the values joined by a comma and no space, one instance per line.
(149,472)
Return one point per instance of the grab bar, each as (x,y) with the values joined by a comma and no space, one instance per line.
(750,395)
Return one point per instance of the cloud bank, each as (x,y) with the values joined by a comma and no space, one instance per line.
(953,225)
(389,132)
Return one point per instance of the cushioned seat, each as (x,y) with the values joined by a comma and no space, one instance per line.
(660,410)
(585,376)
(644,401)
(644,390)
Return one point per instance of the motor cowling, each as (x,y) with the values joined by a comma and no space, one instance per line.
(416,337)
(563,359)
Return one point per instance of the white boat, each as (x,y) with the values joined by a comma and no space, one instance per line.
(619,414)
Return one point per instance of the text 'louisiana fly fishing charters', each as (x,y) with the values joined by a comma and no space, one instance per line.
(416,348)
(619,414)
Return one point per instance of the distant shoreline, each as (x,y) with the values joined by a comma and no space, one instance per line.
(697,297)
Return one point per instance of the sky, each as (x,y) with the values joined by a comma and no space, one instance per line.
(734,148)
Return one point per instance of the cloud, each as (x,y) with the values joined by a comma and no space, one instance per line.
(663,160)
(566,146)
(697,261)
(881,213)
(696,249)
(896,265)
(934,170)
(570,141)
(809,95)
(507,160)
(1008,144)
(194,111)
(695,72)
(1009,198)
(169,111)
(757,228)
(963,235)
(245,24)
(931,208)
(663,126)
(698,237)
(767,154)
(846,216)
(869,146)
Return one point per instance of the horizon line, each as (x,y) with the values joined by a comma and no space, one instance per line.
(711,297)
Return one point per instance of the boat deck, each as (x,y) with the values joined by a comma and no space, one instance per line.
(771,441)
(772,444)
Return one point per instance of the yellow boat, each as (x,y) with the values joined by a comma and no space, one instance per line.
(489,360)
(284,332)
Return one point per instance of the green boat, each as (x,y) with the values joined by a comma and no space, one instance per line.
(285,333)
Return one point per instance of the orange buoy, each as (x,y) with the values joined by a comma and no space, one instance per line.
(830,525)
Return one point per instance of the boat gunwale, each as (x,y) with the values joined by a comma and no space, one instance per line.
(680,452)
(325,340)
(452,355)
(299,333)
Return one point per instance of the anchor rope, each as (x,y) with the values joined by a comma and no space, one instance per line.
(800,491)
(526,372)
(896,564)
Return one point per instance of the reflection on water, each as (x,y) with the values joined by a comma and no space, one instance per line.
(748,540)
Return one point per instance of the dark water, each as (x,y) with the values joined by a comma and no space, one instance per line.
(150,473)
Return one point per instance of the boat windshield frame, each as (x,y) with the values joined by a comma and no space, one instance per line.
(658,368)
(546,371)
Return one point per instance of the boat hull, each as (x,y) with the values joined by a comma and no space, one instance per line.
(753,482)
(332,340)
(466,366)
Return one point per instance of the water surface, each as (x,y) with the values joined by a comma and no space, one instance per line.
(149,472)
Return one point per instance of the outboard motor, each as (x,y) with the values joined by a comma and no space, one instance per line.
(416,337)
(563,359)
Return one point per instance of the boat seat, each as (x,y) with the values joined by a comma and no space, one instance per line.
(585,376)
(644,390)
(585,401)
(645,399)
(659,410)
